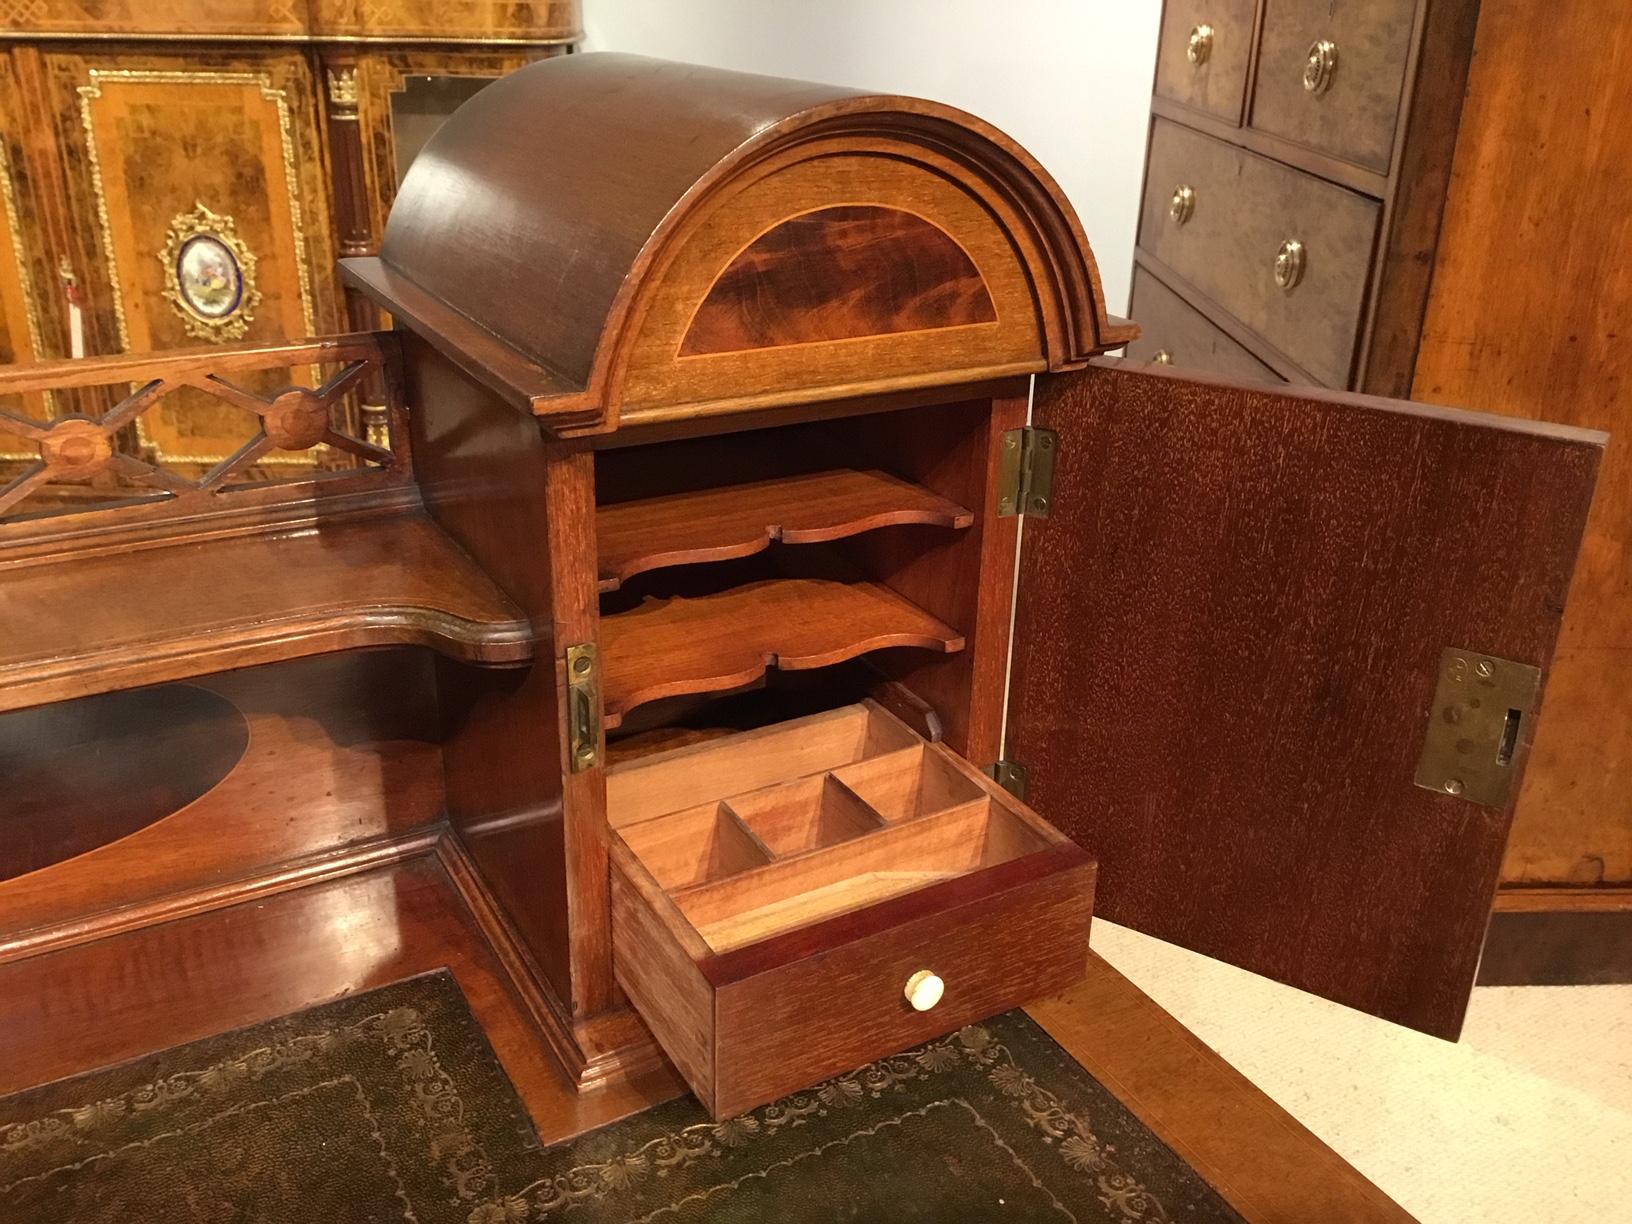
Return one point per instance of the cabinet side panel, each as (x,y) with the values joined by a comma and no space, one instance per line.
(1528,319)
(481,465)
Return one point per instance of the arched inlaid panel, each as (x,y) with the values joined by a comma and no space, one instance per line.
(80,774)
(840,273)
(829,268)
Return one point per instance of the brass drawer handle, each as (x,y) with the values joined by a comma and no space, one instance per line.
(1319,66)
(924,990)
(1201,45)
(1289,261)
(1162,357)
(1182,205)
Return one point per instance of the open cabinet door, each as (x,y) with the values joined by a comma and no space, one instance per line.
(1230,631)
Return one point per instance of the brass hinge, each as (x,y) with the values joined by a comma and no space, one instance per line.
(1011,776)
(583,709)
(1025,483)
(1477,734)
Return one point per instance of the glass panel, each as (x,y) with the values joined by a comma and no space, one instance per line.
(421,106)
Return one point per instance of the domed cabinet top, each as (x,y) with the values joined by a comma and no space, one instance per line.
(609,239)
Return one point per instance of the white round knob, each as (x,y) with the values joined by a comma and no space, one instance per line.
(924,990)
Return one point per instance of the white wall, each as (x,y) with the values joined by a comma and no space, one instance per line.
(1069,79)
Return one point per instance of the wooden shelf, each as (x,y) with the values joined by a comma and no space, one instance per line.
(107,619)
(668,647)
(739,520)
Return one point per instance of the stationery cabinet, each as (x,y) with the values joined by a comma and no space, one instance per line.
(690,628)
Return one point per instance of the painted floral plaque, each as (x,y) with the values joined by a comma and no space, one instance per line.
(211,275)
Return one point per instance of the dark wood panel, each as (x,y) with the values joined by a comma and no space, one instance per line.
(1176,333)
(1559,947)
(1204,54)
(484,475)
(1245,207)
(1233,621)
(837,274)
(1354,115)
(1527,319)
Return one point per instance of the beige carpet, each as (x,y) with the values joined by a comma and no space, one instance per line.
(1528,1117)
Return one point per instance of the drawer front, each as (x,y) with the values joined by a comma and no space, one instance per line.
(793,1018)
(1242,209)
(1203,55)
(770,936)
(1178,334)
(1331,74)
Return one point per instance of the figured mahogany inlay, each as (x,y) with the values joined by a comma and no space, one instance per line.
(80,774)
(836,274)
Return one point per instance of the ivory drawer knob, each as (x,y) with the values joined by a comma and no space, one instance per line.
(924,990)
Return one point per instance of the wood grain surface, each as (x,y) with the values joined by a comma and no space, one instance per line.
(1245,207)
(1190,339)
(718,642)
(669,173)
(93,622)
(83,774)
(1354,118)
(342,759)
(1218,83)
(1527,316)
(717,524)
(1233,621)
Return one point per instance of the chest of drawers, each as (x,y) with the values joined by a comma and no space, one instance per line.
(1298,164)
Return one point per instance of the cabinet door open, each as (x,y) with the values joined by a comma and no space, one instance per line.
(1247,611)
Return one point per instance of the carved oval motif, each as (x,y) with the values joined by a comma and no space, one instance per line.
(80,774)
(839,273)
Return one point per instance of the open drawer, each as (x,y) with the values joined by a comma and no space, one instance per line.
(798,900)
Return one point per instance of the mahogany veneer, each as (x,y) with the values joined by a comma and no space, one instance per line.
(207,605)
(720,642)
(739,520)
(820,897)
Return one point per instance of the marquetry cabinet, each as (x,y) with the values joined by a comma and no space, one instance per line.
(684,633)
(189,173)
(1298,159)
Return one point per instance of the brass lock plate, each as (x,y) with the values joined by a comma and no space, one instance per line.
(1478,729)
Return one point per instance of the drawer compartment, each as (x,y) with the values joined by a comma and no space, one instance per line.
(1331,75)
(1176,333)
(778,895)
(1203,55)
(1240,212)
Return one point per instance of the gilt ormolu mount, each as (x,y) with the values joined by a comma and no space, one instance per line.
(697,497)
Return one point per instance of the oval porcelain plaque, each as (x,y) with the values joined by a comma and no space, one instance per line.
(208,277)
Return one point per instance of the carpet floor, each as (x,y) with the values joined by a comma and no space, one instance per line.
(391,1106)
